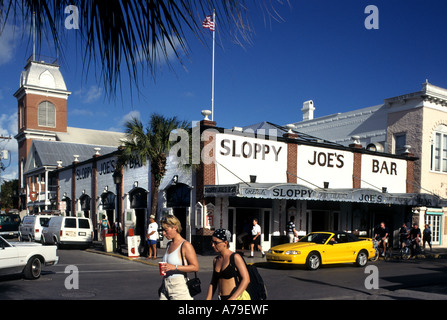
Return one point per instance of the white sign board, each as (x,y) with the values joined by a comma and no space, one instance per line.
(318,165)
(238,157)
(383,172)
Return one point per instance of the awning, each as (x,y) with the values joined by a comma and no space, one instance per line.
(290,191)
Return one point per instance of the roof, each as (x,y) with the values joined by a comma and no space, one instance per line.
(93,137)
(367,122)
(268,129)
(42,75)
(47,153)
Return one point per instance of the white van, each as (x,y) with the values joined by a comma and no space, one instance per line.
(68,231)
(31,227)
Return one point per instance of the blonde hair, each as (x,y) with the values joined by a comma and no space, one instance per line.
(172,221)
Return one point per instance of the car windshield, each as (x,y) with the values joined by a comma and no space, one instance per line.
(5,219)
(4,243)
(319,238)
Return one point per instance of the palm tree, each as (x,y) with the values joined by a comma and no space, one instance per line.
(129,34)
(150,144)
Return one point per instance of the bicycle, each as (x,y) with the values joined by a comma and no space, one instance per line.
(417,250)
(405,252)
(388,253)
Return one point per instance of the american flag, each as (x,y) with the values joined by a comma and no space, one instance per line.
(208,23)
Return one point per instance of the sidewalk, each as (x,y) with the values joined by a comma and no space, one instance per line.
(205,261)
(436,253)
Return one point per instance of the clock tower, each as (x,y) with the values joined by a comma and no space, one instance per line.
(42,107)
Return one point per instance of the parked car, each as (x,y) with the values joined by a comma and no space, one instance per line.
(319,248)
(31,227)
(28,258)
(68,231)
(9,224)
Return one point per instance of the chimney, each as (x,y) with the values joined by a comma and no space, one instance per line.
(308,110)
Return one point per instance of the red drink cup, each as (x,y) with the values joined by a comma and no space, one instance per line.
(160,265)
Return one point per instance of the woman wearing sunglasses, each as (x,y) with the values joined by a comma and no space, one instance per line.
(230,272)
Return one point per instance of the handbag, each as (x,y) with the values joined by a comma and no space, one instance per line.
(194,284)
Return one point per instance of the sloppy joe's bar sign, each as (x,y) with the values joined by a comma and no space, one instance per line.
(238,157)
(318,165)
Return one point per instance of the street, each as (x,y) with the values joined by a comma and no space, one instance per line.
(102,277)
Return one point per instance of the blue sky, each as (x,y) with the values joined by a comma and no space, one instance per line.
(321,51)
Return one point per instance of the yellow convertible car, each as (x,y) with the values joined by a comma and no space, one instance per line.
(319,248)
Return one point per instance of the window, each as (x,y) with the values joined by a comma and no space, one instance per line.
(435,222)
(47,115)
(22,117)
(439,150)
(84,224)
(70,223)
(400,140)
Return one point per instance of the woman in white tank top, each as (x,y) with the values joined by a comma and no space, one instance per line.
(174,282)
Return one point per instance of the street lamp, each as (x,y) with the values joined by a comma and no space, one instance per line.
(118,180)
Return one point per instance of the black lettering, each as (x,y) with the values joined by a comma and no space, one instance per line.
(258,149)
(235,155)
(330,158)
(384,167)
(340,161)
(375,166)
(314,160)
(393,168)
(227,149)
(244,154)
(322,162)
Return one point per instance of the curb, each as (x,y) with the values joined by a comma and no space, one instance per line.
(120,256)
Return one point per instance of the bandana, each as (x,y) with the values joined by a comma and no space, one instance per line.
(222,234)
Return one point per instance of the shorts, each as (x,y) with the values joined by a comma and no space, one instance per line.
(257,241)
(151,242)
(174,288)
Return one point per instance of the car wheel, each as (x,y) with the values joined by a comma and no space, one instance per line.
(362,259)
(33,268)
(313,261)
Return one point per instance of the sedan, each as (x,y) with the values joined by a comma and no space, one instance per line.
(319,248)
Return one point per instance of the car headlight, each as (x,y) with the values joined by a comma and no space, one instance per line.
(270,251)
(292,252)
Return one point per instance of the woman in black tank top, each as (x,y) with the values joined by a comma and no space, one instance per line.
(230,273)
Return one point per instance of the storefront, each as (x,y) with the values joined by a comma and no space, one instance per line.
(95,187)
(323,185)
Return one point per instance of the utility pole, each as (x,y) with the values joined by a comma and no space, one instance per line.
(4,155)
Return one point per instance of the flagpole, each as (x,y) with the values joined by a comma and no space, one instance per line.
(214,48)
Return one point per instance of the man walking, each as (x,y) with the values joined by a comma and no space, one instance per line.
(291,231)
(256,238)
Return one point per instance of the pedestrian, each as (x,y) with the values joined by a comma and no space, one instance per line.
(426,236)
(230,273)
(152,237)
(291,231)
(242,237)
(415,237)
(118,235)
(105,225)
(173,266)
(256,238)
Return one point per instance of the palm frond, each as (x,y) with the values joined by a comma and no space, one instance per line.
(132,35)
